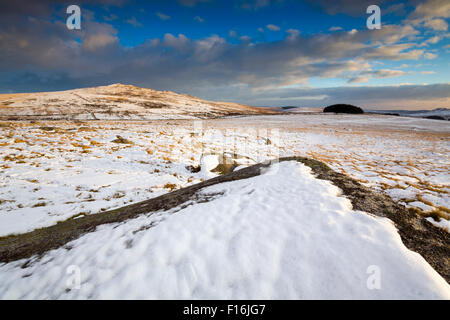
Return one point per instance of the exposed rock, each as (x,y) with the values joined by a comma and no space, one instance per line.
(194,169)
(122,140)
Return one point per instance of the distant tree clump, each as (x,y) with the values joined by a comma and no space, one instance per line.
(343,108)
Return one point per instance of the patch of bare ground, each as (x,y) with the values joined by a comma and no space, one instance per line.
(416,233)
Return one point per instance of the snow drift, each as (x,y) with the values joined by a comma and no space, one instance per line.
(281,235)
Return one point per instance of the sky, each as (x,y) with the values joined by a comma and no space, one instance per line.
(310,53)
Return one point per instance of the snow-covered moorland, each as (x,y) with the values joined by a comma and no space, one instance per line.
(283,234)
(53,171)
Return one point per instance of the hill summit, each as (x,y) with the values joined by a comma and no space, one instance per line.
(116,101)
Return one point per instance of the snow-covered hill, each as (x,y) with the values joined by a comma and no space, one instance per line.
(115,101)
(439,113)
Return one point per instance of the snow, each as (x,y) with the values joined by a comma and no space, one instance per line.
(442,223)
(51,176)
(208,163)
(281,235)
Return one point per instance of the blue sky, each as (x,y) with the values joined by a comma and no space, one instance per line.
(260,52)
(219,18)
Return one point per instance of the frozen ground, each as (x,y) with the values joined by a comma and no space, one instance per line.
(281,235)
(53,174)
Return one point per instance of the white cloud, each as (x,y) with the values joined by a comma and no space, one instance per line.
(365,76)
(133,21)
(179,43)
(199,19)
(430,56)
(358,79)
(100,35)
(436,24)
(385,73)
(431,9)
(293,34)
(434,40)
(163,16)
(431,13)
(391,34)
(273,27)
(96,41)
(396,52)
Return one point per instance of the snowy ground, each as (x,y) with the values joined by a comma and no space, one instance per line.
(76,169)
(281,235)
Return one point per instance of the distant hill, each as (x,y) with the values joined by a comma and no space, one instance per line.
(296,109)
(437,114)
(116,101)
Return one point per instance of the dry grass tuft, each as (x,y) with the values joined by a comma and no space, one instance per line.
(170,186)
(39,204)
